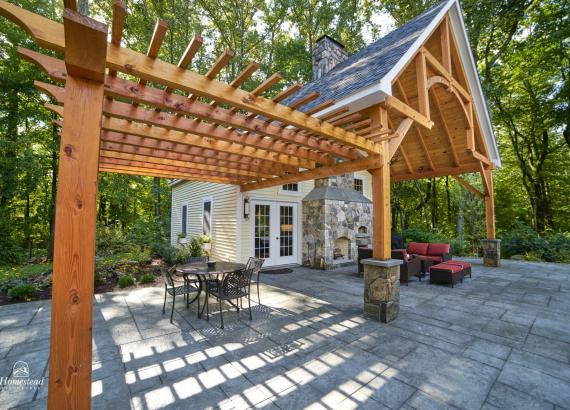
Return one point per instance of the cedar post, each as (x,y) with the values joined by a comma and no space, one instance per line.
(381,274)
(381,207)
(74,253)
(491,245)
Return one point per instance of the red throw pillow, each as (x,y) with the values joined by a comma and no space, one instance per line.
(437,249)
(418,248)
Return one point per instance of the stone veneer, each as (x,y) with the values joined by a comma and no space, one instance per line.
(491,252)
(382,289)
(333,210)
(326,54)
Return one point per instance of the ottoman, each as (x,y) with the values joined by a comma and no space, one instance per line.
(465,267)
(446,273)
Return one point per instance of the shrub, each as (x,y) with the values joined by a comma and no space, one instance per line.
(147,278)
(23,292)
(164,251)
(523,240)
(195,246)
(112,241)
(126,281)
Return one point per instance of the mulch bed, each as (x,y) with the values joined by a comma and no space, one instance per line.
(109,284)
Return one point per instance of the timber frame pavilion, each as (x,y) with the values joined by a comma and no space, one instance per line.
(127,112)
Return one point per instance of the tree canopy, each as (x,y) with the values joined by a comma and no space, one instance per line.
(523,53)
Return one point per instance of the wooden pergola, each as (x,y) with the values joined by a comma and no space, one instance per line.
(131,113)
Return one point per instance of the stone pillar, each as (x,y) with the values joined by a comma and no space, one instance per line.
(491,252)
(382,289)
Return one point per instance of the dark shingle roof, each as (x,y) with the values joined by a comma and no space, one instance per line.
(369,65)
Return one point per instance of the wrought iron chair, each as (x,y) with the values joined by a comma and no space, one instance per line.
(172,288)
(255,264)
(233,286)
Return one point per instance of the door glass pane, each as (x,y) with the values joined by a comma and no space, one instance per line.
(262,231)
(286,230)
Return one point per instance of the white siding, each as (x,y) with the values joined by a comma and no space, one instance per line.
(231,233)
(224,212)
(367,183)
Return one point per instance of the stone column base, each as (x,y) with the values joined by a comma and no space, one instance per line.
(382,289)
(491,252)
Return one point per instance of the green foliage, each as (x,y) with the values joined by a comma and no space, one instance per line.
(166,252)
(523,240)
(195,246)
(147,278)
(126,281)
(23,292)
(523,59)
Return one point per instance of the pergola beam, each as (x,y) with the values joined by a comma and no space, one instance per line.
(468,186)
(126,111)
(120,88)
(49,34)
(164,169)
(169,175)
(161,147)
(175,165)
(321,172)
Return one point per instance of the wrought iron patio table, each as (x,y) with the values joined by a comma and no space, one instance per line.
(203,272)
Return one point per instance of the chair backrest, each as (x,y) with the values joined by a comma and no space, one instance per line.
(237,282)
(254,264)
(198,259)
(167,275)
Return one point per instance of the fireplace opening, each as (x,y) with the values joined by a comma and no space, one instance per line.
(342,249)
(362,229)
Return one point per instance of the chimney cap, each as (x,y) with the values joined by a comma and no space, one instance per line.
(321,38)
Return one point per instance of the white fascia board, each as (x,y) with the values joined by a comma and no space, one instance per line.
(464,49)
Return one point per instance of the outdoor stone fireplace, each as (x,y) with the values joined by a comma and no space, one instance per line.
(336,220)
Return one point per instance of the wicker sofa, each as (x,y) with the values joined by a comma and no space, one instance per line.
(410,268)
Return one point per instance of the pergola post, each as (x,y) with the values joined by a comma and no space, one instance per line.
(74,253)
(381,273)
(491,245)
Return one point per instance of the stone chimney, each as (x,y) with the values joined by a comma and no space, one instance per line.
(326,54)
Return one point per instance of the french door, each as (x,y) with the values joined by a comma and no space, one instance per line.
(274,226)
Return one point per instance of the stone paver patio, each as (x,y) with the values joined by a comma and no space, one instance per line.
(499,340)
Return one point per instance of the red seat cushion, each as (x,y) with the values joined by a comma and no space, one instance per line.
(459,263)
(437,249)
(435,259)
(446,267)
(418,248)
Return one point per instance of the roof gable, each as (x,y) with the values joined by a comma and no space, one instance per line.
(370,64)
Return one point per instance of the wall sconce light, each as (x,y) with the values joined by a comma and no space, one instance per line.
(246,208)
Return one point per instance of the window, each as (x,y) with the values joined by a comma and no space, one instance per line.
(359,185)
(207,217)
(184,219)
(290,187)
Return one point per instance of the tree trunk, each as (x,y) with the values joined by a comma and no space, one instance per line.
(54,163)
(28,227)
(157,197)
